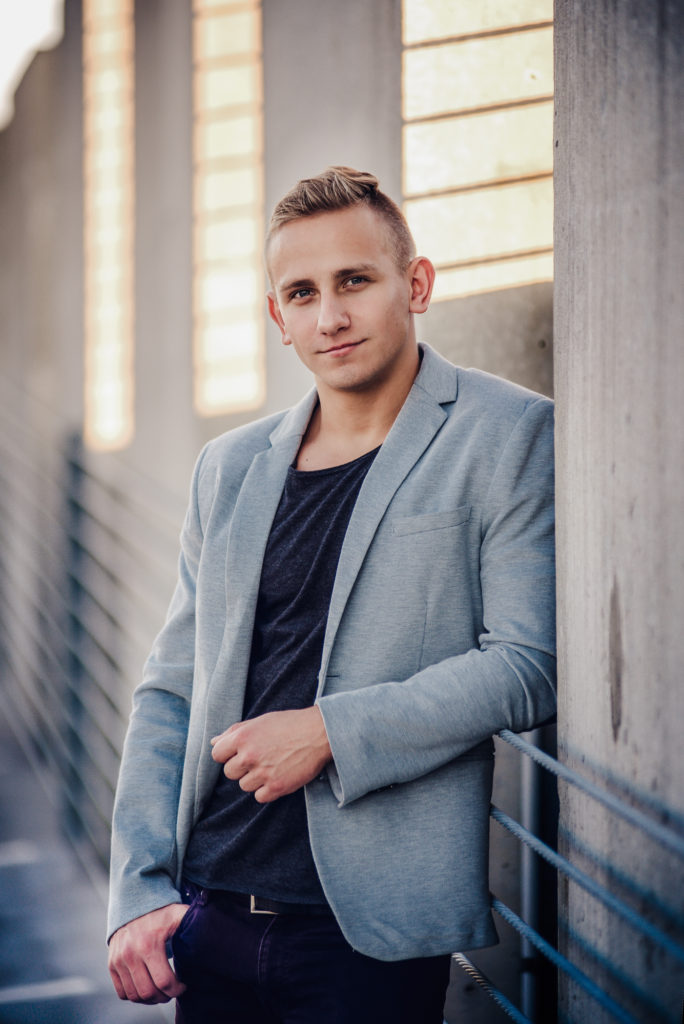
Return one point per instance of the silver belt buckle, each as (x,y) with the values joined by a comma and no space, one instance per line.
(254,910)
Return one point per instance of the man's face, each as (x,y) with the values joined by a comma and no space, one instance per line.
(340,299)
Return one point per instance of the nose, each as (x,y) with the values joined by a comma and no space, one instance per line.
(332,316)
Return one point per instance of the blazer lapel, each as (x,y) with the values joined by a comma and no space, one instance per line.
(419,420)
(252,518)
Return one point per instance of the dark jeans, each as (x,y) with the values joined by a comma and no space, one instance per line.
(243,968)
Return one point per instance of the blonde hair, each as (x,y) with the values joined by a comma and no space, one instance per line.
(338,188)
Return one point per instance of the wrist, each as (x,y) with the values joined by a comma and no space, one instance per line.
(322,741)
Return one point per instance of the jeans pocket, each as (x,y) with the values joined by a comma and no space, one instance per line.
(195,897)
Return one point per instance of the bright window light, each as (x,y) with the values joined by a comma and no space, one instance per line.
(478,140)
(25,28)
(228,199)
(108,197)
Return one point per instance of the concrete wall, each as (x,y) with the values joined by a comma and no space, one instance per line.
(41,264)
(167,434)
(508,332)
(332,84)
(619,316)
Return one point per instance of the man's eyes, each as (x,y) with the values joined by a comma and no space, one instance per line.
(299,294)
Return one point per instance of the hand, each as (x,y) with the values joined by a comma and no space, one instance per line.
(138,964)
(274,754)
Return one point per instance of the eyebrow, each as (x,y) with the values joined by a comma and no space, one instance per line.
(288,286)
(359,268)
(339,275)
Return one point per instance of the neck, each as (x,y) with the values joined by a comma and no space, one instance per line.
(347,424)
(373,406)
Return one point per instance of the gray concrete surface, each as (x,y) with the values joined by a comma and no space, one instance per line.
(619,359)
(53,957)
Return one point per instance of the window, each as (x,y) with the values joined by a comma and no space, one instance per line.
(228,298)
(478,140)
(108,37)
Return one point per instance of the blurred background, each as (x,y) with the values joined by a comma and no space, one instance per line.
(140,156)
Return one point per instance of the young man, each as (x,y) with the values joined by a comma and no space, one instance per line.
(366,595)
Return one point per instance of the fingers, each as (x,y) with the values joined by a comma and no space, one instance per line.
(165,984)
(135,984)
(117,982)
(141,982)
(133,981)
(236,768)
(274,754)
(253,780)
(225,745)
(264,789)
(138,964)
(237,752)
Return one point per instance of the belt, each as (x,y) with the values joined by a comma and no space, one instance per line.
(261,905)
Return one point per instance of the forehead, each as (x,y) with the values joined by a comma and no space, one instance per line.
(316,246)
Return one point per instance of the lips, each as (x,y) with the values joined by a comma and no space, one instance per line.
(342,350)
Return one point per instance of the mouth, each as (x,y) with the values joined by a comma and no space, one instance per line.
(342,349)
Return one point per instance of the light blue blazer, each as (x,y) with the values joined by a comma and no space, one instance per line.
(440,633)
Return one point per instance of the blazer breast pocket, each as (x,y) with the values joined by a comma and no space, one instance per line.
(403,525)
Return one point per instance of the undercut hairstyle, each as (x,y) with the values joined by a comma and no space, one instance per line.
(338,188)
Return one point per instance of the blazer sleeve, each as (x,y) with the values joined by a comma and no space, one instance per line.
(395,731)
(143,854)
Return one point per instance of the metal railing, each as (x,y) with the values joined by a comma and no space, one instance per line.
(86,570)
(671,943)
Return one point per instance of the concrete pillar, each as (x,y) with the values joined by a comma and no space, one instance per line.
(167,436)
(619,321)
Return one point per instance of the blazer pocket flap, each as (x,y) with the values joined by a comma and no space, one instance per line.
(434,521)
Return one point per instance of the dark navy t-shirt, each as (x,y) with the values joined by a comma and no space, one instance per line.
(239,844)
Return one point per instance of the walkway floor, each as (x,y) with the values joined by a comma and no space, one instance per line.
(53,967)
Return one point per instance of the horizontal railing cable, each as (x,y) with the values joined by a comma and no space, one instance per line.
(47,726)
(621,981)
(157,520)
(99,496)
(86,569)
(67,534)
(565,965)
(40,546)
(673,915)
(65,715)
(653,829)
(68,645)
(586,882)
(492,991)
(126,541)
(130,498)
(55,749)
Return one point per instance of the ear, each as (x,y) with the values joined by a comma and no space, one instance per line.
(276,317)
(421,275)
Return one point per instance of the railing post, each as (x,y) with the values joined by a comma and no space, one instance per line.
(74,477)
(529,880)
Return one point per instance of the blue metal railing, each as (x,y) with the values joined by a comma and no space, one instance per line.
(86,569)
(665,836)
